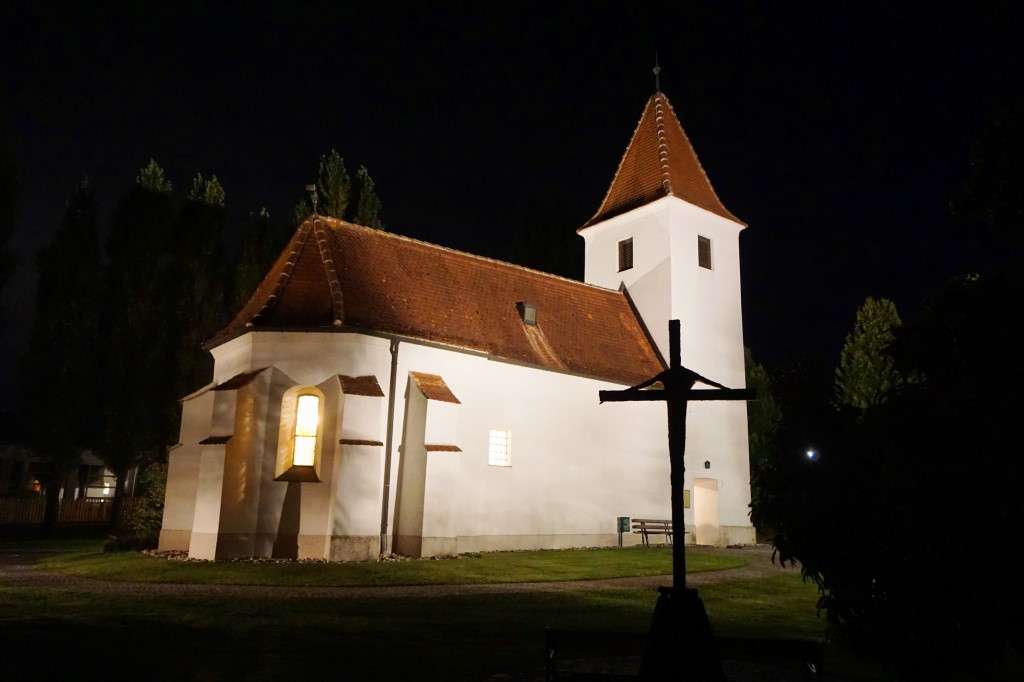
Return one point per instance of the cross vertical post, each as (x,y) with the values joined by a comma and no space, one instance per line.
(677,465)
(680,637)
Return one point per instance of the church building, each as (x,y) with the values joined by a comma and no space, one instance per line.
(381,394)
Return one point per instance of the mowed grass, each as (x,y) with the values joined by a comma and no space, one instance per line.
(492,567)
(444,638)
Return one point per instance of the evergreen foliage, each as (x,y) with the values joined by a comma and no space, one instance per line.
(199,280)
(261,245)
(993,194)
(866,375)
(140,408)
(342,198)
(547,239)
(367,209)
(763,418)
(935,465)
(8,211)
(59,406)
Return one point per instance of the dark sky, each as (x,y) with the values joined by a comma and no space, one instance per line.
(838,131)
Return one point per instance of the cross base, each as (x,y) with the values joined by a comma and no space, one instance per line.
(680,645)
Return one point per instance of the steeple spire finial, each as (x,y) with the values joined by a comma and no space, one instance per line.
(657,74)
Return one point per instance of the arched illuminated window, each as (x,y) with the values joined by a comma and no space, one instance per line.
(307,423)
(301,434)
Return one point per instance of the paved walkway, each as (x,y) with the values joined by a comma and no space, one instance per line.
(19,570)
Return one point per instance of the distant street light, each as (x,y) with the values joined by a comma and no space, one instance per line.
(812,454)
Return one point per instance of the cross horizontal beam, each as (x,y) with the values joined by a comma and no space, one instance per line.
(668,394)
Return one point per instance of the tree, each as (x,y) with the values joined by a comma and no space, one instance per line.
(882,519)
(367,205)
(763,419)
(992,195)
(547,239)
(339,197)
(8,210)
(866,375)
(198,279)
(58,409)
(261,245)
(140,407)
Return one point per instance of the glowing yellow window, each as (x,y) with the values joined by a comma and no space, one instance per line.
(307,421)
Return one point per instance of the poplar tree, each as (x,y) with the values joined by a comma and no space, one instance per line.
(261,245)
(866,374)
(199,280)
(341,197)
(140,408)
(8,208)
(367,206)
(61,385)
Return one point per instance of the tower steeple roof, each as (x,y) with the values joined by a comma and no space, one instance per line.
(659,162)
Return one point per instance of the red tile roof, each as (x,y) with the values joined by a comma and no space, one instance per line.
(338,276)
(434,388)
(367,386)
(659,162)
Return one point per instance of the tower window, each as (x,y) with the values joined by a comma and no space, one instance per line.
(625,254)
(499,448)
(704,252)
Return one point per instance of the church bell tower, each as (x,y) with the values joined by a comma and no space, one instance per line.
(664,237)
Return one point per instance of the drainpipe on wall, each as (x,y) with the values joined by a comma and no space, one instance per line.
(388,444)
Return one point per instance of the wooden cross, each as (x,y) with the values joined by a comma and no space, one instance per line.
(678,390)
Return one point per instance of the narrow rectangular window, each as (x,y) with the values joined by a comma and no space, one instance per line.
(499,448)
(625,254)
(704,252)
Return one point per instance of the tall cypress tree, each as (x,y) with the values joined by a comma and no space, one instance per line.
(59,400)
(199,281)
(261,245)
(341,197)
(367,206)
(8,209)
(140,408)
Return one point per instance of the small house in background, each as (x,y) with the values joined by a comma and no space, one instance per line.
(378,393)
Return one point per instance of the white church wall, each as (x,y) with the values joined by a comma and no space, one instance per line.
(708,304)
(357,486)
(575,465)
(183,472)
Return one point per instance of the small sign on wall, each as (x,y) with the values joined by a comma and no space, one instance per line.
(686,499)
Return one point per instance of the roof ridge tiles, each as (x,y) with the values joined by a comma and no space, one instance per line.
(337,301)
(474,256)
(282,279)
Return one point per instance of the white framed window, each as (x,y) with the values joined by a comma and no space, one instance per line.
(499,448)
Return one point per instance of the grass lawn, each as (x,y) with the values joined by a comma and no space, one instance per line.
(451,638)
(493,567)
(444,639)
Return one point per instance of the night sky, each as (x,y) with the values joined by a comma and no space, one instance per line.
(839,135)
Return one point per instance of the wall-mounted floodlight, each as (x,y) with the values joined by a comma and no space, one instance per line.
(812,454)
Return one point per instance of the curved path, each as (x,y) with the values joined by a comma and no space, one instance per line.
(19,570)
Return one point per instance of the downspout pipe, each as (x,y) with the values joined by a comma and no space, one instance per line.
(388,446)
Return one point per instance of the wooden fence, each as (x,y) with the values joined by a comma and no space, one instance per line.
(27,511)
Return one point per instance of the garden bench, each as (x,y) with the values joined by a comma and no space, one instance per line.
(645,527)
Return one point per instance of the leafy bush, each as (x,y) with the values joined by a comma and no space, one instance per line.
(143,529)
